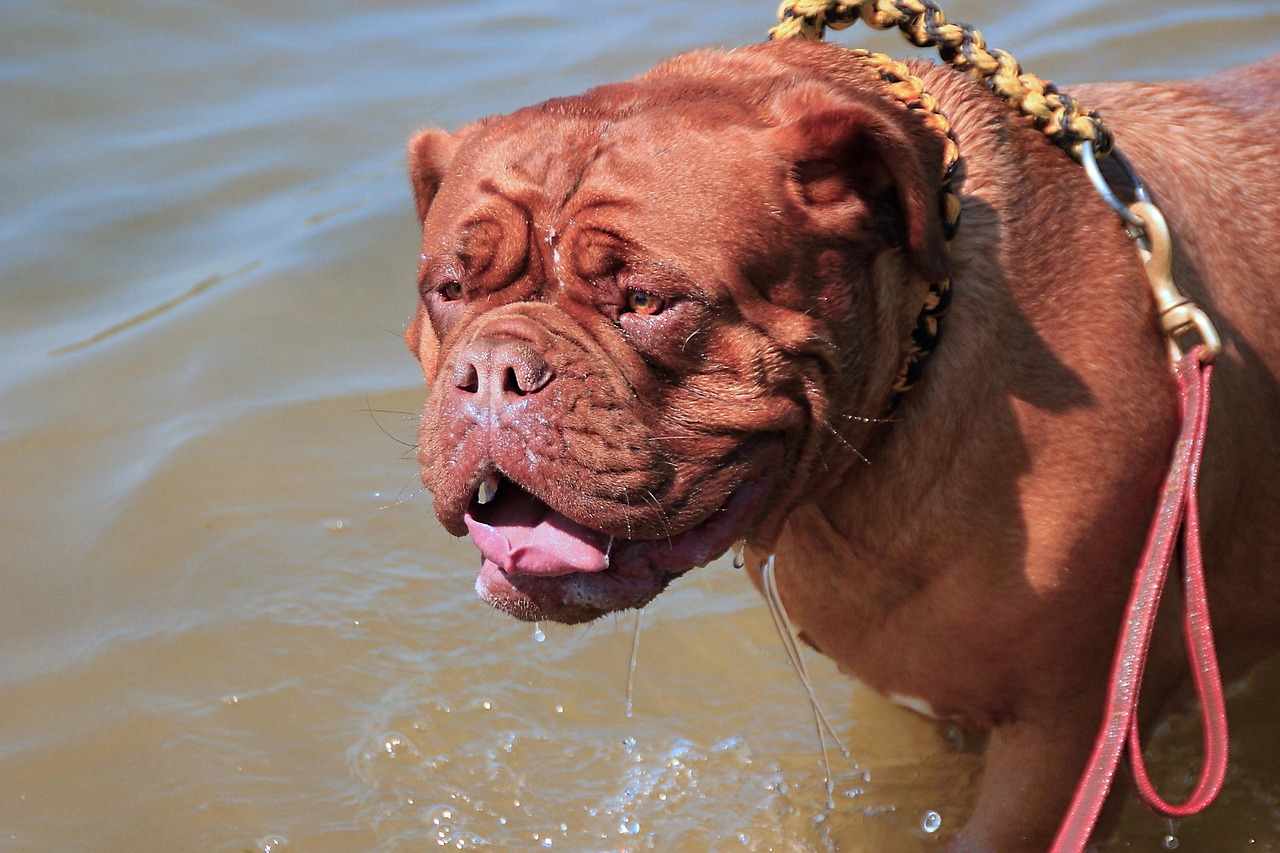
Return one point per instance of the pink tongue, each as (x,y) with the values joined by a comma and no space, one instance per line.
(522,535)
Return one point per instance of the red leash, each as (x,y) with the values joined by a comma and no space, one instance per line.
(1176,514)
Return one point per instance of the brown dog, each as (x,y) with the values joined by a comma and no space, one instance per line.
(666,316)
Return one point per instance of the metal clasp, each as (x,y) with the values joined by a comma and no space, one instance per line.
(1178,314)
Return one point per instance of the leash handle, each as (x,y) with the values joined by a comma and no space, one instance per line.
(1176,514)
(1198,633)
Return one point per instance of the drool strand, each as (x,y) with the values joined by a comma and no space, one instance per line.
(786,632)
(631,670)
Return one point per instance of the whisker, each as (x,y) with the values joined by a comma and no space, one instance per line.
(373,414)
(389,412)
(844,441)
(405,496)
(865,420)
(627,500)
(662,513)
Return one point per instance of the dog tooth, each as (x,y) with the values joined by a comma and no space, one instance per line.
(488,489)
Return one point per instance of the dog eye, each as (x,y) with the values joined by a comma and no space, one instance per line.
(645,303)
(451,290)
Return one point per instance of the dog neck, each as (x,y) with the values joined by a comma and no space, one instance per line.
(945,505)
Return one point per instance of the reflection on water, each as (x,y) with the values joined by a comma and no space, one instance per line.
(229,622)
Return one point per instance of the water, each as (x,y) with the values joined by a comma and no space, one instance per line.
(228,620)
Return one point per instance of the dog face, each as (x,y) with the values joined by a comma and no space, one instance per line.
(654,317)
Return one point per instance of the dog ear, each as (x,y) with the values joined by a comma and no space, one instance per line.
(429,155)
(860,167)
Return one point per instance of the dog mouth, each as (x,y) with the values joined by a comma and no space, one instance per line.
(539,564)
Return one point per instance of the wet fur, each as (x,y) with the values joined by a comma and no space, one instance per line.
(976,550)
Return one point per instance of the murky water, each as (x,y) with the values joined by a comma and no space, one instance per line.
(228,621)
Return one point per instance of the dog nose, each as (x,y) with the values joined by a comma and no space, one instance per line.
(497,370)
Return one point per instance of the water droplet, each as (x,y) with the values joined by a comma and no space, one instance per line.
(393,745)
(547,842)
(629,827)
(273,844)
(488,706)
(538,635)
(1170,842)
(932,821)
(335,525)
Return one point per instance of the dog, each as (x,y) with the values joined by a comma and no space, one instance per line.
(664,318)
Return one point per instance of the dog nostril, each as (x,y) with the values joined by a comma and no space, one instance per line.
(511,383)
(501,368)
(468,380)
(528,377)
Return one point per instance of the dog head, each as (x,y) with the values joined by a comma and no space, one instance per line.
(655,317)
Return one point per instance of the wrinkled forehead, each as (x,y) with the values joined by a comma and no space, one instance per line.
(642,151)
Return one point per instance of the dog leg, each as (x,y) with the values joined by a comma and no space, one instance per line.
(1031,772)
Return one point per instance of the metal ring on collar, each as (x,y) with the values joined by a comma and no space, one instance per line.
(1090,161)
